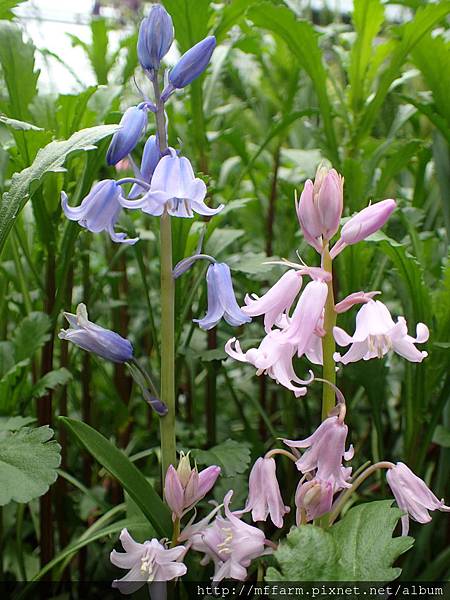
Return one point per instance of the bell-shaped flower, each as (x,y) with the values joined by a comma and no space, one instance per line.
(221,299)
(320,207)
(376,334)
(276,300)
(174,188)
(325,452)
(264,496)
(96,339)
(363,224)
(313,499)
(231,544)
(190,66)
(274,358)
(146,563)
(99,210)
(150,158)
(132,125)
(412,495)
(155,38)
(185,486)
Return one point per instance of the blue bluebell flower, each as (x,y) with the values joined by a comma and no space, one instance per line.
(190,66)
(221,299)
(99,211)
(174,188)
(150,158)
(132,125)
(155,38)
(96,339)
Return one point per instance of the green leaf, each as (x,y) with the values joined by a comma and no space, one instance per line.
(190,20)
(120,466)
(20,125)
(51,158)
(360,547)
(28,463)
(51,381)
(233,457)
(14,423)
(6,6)
(30,335)
(301,39)
(442,436)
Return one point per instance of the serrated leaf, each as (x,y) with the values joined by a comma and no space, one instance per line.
(360,547)
(30,335)
(51,158)
(51,381)
(28,462)
(15,423)
(232,457)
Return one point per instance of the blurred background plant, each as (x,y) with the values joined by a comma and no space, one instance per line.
(291,83)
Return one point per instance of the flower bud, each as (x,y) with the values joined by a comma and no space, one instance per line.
(132,125)
(328,200)
(367,221)
(174,492)
(155,38)
(314,498)
(192,63)
(184,469)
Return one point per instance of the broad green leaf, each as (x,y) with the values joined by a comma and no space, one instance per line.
(233,457)
(120,466)
(51,381)
(15,423)
(190,20)
(442,436)
(20,125)
(221,239)
(360,547)
(30,335)
(28,462)
(302,41)
(229,15)
(6,6)
(51,158)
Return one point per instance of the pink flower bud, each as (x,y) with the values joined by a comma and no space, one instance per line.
(174,492)
(308,217)
(313,498)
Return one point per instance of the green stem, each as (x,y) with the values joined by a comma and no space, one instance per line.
(167,423)
(328,345)
(176,532)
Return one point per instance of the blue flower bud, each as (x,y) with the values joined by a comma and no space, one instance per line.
(132,125)
(192,63)
(155,38)
(150,159)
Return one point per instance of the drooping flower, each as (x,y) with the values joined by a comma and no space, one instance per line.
(132,125)
(93,338)
(185,486)
(230,543)
(325,452)
(99,210)
(274,358)
(363,224)
(150,158)
(221,299)
(412,495)
(155,38)
(264,496)
(148,562)
(174,188)
(190,66)
(320,207)
(276,300)
(376,334)
(313,499)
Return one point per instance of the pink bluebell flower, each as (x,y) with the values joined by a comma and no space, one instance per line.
(132,125)
(325,452)
(264,496)
(376,334)
(155,38)
(274,358)
(93,338)
(146,563)
(99,210)
(313,499)
(412,495)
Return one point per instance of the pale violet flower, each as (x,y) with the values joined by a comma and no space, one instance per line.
(274,358)
(99,210)
(96,339)
(325,452)
(150,158)
(155,38)
(412,495)
(221,299)
(146,563)
(264,496)
(132,125)
(376,334)
(174,188)
(313,499)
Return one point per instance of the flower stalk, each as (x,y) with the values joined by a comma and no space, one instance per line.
(328,344)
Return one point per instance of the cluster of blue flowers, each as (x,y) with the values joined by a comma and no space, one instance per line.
(163,183)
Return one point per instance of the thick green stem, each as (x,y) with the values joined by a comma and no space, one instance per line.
(328,345)
(167,423)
